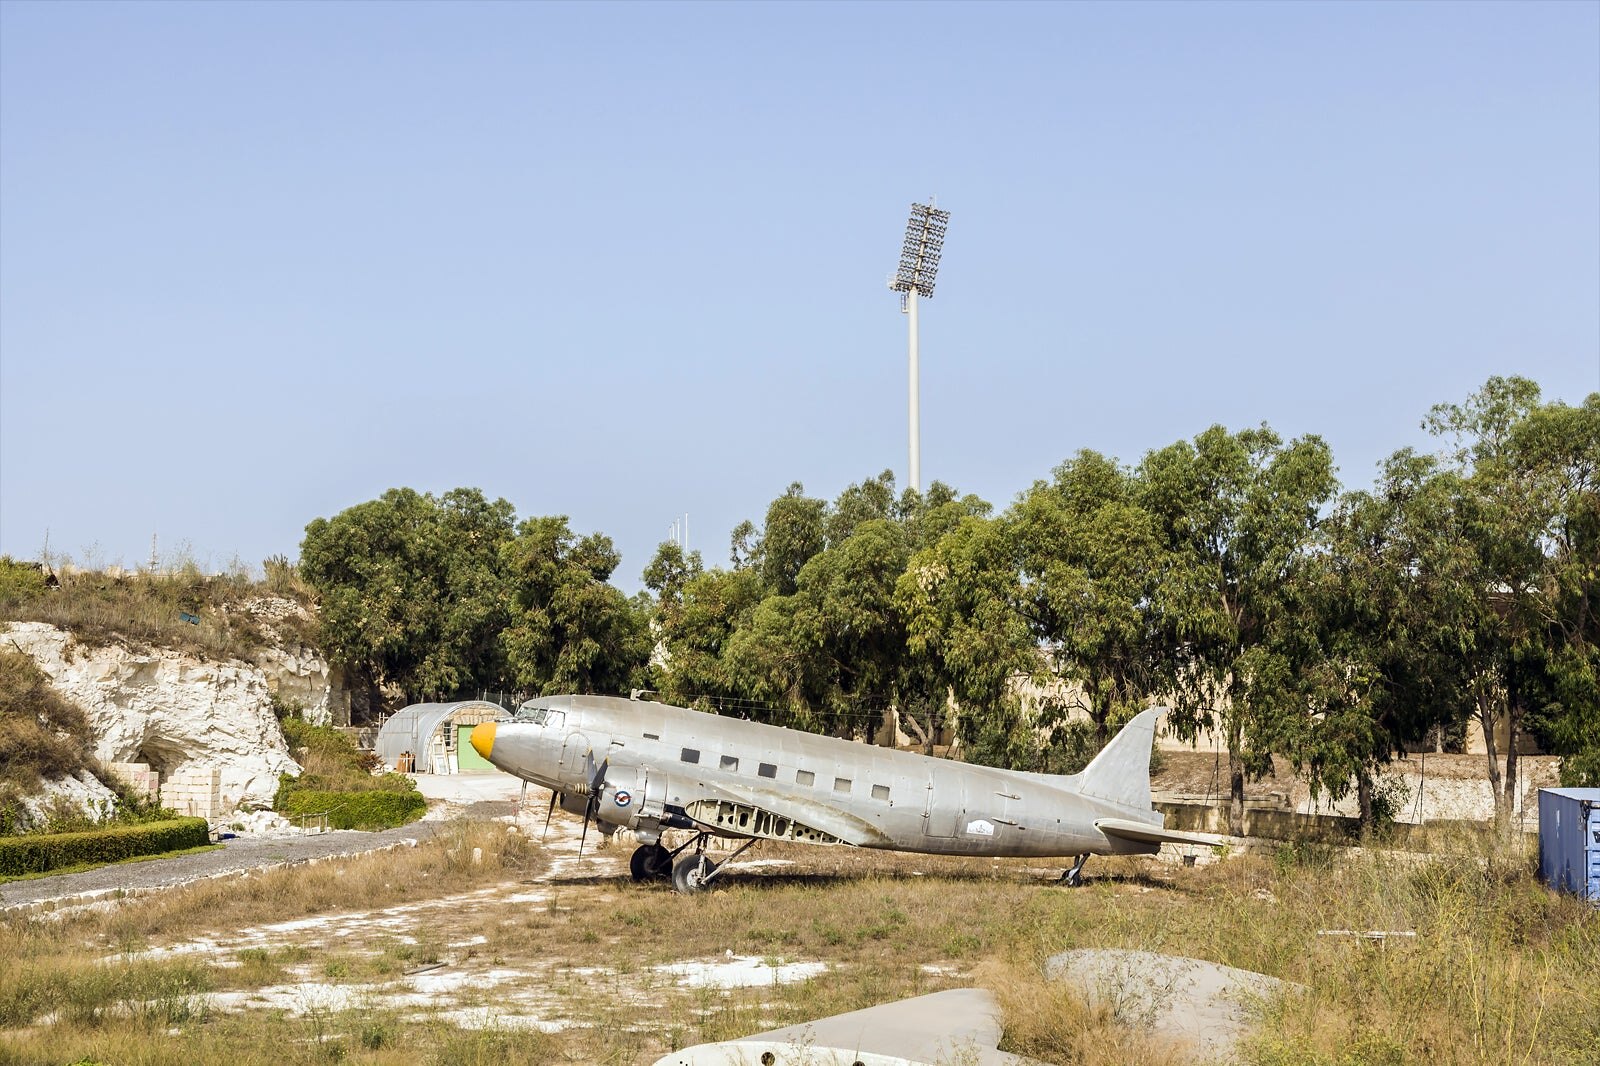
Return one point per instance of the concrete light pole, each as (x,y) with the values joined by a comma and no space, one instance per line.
(919,267)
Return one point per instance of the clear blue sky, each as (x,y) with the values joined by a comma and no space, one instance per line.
(259,263)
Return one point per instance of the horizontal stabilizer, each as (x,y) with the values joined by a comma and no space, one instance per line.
(1146,833)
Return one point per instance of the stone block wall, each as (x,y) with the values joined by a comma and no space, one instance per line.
(195,792)
(139,777)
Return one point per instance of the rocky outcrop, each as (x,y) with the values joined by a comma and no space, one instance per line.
(81,794)
(187,718)
(298,676)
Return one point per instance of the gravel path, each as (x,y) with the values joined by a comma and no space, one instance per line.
(237,856)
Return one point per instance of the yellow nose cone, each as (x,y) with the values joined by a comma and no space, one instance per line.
(483,738)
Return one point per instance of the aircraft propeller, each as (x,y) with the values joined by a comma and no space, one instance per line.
(596,784)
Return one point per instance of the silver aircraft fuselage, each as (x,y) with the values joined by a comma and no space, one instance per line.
(649,767)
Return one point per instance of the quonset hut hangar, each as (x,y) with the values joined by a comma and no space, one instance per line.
(431,738)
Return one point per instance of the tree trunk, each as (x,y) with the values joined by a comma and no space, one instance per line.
(1364,801)
(1235,794)
(1488,719)
(922,736)
(1513,727)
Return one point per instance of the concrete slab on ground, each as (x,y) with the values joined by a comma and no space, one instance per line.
(1204,1005)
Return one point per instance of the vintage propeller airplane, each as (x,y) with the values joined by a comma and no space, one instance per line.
(650,767)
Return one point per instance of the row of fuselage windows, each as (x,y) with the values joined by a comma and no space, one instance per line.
(730,763)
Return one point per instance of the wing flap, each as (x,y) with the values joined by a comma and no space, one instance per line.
(734,811)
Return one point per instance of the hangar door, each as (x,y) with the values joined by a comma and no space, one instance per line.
(467,757)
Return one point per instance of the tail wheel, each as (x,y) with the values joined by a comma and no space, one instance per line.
(693,873)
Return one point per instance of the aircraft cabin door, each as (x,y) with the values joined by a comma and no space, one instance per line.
(945,805)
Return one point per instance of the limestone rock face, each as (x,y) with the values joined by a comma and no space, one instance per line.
(299,676)
(184,716)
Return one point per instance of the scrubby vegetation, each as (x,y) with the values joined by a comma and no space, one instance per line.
(42,734)
(370,810)
(180,608)
(338,780)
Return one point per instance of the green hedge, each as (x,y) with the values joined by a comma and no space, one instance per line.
(372,809)
(49,851)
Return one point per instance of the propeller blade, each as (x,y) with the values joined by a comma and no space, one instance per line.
(597,781)
(588,811)
(547,815)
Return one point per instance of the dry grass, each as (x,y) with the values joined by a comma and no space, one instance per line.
(1501,969)
(147,609)
(1051,1022)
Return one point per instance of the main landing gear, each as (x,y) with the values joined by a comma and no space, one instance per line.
(692,873)
(651,862)
(1073,878)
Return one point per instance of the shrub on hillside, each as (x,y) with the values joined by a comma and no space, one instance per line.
(41,852)
(337,779)
(370,810)
(42,734)
(329,759)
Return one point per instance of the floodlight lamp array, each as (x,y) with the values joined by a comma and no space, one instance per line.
(919,256)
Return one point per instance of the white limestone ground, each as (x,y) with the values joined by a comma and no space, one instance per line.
(530,998)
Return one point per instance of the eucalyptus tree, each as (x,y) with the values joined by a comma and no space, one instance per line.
(1236,515)
(1385,621)
(1091,560)
(1558,448)
(569,629)
(410,591)
(1527,472)
(792,534)
(967,637)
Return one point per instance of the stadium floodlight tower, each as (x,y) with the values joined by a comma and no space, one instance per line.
(919,266)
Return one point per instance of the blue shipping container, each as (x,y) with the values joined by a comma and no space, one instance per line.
(1569,840)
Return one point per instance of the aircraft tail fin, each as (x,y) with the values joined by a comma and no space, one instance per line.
(1121,772)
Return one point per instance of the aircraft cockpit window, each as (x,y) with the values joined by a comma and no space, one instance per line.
(532,715)
(880,792)
(690,755)
(730,763)
(804,777)
(841,784)
(766,769)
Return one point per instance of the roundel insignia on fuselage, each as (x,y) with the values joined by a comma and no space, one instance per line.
(623,797)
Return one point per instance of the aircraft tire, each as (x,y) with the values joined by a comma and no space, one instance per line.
(691,873)
(651,862)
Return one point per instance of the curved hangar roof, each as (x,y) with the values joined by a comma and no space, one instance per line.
(412,728)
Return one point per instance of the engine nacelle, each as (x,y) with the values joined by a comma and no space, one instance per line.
(623,796)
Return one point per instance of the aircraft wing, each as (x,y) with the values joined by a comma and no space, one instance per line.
(735,810)
(959,1025)
(1146,833)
